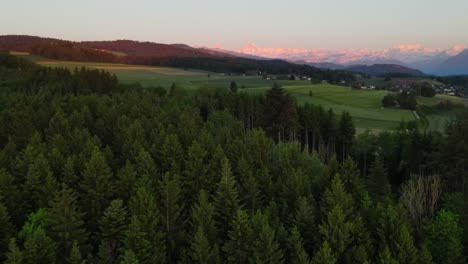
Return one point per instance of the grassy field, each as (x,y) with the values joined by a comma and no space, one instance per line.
(364,106)
(379,81)
(149,76)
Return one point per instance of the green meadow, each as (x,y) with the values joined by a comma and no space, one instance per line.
(363,105)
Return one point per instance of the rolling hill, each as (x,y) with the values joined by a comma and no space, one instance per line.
(166,55)
(383,69)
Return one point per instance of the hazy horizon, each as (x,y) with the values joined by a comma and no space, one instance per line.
(373,25)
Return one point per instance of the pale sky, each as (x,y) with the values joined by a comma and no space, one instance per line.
(324,24)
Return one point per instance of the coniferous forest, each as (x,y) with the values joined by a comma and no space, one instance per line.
(94,171)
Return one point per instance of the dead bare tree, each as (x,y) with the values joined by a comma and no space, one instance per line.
(420,195)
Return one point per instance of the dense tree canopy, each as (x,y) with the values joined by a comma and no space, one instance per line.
(113,174)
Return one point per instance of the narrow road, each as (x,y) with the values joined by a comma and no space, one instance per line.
(416,115)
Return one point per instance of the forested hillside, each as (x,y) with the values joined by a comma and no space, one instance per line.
(93,171)
(148,53)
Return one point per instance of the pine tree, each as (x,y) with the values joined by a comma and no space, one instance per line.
(304,221)
(350,176)
(39,248)
(10,192)
(127,177)
(265,248)
(75,254)
(337,231)
(200,249)
(14,254)
(346,132)
(96,188)
(145,165)
(65,221)
(135,241)
(195,176)
(68,173)
(239,244)
(129,258)
(226,198)
(171,210)
(203,213)
(145,214)
(298,255)
(377,181)
(233,87)
(40,183)
(324,255)
(6,228)
(394,233)
(336,195)
(385,257)
(172,154)
(250,187)
(113,225)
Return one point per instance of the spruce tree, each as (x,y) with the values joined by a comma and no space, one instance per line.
(385,257)
(96,188)
(113,225)
(38,247)
(324,255)
(40,183)
(377,181)
(266,248)
(203,213)
(226,197)
(6,229)
(297,254)
(135,239)
(200,249)
(238,247)
(172,211)
(129,258)
(145,214)
(65,222)
(195,176)
(75,255)
(304,221)
(14,254)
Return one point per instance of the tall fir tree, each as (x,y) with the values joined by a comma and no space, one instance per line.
(96,188)
(200,249)
(75,255)
(297,252)
(226,198)
(266,248)
(195,176)
(203,215)
(65,222)
(172,214)
(145,214)
(113,225)
(238,247)
(324,255)
(377,181)
(14,254)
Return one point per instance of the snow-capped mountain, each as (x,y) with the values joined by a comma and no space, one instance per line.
(415,56)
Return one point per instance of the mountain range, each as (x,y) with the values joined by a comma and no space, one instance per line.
(413,60)
(451,61)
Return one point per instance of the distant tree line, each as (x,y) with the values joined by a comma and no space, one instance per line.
(217,176)
(66,51)
(404,100)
